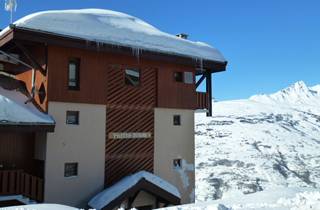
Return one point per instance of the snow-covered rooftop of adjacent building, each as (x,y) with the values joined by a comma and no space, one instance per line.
(108,195)
(13,109)
(110,27)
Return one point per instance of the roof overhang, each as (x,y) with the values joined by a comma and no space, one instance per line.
(23,34)
(26,127)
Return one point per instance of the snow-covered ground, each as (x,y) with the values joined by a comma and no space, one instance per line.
(277,198)
(251,147)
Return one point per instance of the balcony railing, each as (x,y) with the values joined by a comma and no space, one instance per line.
(17,182)
(202,100)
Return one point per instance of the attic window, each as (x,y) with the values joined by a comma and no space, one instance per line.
(74,74)
(132,77)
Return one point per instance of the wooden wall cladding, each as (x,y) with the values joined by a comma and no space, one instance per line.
(102,77)
(118,93)
(93,76)
(127,156)
(172,94)
(41,81)
(17,149)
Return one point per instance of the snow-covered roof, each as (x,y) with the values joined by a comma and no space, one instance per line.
(108,195)
(13,110)
(110,27)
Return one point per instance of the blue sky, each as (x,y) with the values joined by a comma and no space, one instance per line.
(269,44)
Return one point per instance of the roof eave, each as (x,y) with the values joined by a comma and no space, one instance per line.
(24,34)
(27,127)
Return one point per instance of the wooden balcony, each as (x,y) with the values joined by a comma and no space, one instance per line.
(202,100)
(17,182)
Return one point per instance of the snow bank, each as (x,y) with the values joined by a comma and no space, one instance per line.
(271,199)
(13,109)
(109,194)
(40,207)
(115,28)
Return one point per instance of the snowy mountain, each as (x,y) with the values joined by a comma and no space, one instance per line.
(258,144)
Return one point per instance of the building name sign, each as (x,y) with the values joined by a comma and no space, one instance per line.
(139,135)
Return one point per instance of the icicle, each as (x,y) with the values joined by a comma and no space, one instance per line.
(136,52)
(201,64)
(11,6)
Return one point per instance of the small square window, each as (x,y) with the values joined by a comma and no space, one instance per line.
(177,163)
(188,78)
(176,120)
(72,117)
(132,77)
(70,169)
(178,76)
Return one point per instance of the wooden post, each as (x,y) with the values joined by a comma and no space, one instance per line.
(209,92)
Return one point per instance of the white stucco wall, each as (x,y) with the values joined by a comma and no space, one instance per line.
(175,142)
(84,144)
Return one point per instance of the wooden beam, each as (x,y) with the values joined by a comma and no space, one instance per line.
(29,56)
(209,92)
(15,59)
(26,128)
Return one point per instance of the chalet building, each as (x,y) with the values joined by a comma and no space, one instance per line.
(91,99)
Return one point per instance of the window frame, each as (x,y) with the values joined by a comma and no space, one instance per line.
(125,77)
(66,175)
(76,114)
(76,62)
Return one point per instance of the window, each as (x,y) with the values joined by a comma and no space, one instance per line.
(132,77)
(72,117)
(74,74)
(176,120)
(188,78)
(70,169)
(178,76)
(177,163)
(185,77)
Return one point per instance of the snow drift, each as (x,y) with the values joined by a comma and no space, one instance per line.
(115,28)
